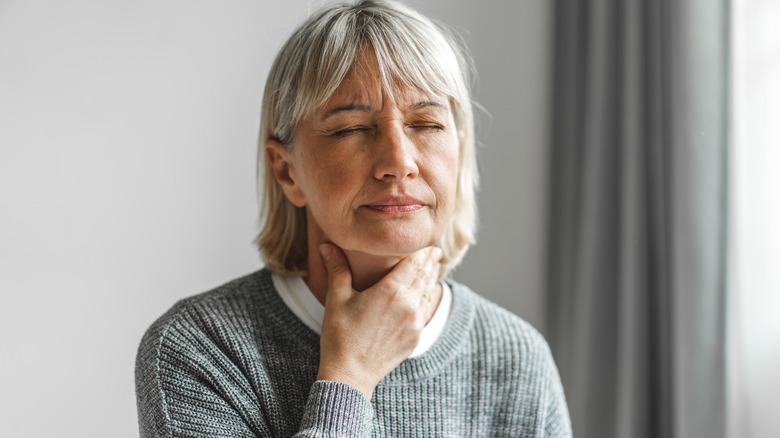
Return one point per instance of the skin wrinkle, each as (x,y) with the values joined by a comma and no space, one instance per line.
(378,178)
(346,172)
(413,135)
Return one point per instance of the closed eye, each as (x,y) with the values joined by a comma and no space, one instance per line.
(365,129)
(434,126)
(350,131)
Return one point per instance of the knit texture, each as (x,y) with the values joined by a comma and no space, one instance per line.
(236,362)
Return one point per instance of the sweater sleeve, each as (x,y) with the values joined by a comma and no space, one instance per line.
(336,409)
(185,388)
(179,394)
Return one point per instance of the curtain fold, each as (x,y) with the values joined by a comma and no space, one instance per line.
(637,239)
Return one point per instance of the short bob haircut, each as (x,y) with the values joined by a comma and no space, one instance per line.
(411,52)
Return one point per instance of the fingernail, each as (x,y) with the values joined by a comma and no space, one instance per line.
(326,251)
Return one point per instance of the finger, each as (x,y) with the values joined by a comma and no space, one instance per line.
(339,274)
(430,289)
(432,304)
(408,270)
(434,267)
(428,274)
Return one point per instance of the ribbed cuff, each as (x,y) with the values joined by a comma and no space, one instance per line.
(336,409)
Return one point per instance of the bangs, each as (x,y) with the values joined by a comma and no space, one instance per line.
(411,53)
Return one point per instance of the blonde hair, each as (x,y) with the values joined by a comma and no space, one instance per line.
(411,51)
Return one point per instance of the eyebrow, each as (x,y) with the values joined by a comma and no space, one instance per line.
(362,108)
(420,105)
(365,108)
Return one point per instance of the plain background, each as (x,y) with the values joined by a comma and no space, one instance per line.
(754,326)
(127,180)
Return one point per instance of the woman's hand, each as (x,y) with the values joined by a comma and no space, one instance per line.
(365,335)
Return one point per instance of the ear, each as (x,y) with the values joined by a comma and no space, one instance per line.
(284,171)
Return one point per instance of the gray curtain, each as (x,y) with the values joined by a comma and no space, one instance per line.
(637,241)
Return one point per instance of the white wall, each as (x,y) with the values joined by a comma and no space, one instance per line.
(753,325)
(127,148)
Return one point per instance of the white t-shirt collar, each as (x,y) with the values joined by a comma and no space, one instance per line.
(297,296)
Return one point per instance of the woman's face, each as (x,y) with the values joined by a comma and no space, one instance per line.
(376,174)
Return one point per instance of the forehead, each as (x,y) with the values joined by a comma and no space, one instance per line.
(365,85)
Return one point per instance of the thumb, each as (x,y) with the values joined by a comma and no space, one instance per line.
(339,275)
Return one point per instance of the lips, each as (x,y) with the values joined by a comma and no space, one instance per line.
(395,205)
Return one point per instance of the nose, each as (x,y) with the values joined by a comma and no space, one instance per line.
(395,157)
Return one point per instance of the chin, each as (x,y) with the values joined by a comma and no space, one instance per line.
(395,246)
(395,239)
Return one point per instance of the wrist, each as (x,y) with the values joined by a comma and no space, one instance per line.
(361,383)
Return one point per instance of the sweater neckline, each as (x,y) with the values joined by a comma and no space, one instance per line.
(448,345)
(299,298)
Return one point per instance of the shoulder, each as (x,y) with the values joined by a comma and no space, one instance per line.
(223,319)
(233,312)
(515,359)
(222,351)
(500,336)
(179,342)
(218,302)
(495,322)
(202,312)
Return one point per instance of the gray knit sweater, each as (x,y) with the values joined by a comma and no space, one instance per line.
(236,362)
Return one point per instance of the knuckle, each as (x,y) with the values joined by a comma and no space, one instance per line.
(396,291)
(336,268)
(426,275)
(418,262)
(409,311)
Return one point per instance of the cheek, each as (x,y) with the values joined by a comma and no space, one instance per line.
(317,172)
(331,183)
(444,173)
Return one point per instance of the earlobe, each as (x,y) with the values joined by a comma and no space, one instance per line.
(283,167)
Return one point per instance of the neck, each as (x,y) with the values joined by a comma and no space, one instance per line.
(366,269)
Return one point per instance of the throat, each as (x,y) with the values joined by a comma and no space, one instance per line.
(367,269)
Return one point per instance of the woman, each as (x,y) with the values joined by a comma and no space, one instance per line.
(368,157)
